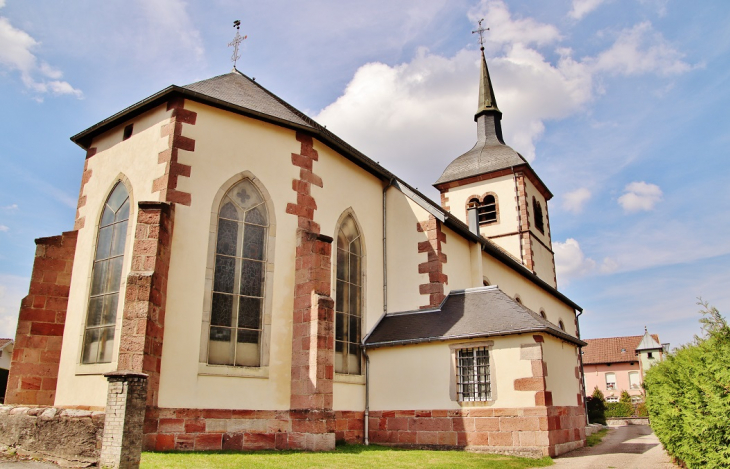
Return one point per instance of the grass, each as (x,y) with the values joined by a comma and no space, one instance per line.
(594,439)
(350,456)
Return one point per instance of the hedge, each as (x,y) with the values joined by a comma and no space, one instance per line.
(688,397)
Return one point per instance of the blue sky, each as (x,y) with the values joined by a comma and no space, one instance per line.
(621,107)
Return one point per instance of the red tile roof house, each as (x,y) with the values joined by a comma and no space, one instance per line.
(617,364)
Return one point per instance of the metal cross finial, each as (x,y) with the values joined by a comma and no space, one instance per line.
(481,31)
(236,42)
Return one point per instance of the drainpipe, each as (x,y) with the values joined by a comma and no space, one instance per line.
(366,414)
(582,372)
(385,311)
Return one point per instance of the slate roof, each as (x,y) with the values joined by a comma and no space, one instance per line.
(470,313)
(237,89)
(609,350)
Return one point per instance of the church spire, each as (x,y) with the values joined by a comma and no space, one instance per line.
(487,101)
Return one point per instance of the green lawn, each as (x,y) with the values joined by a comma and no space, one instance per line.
(348,456)
(594,439)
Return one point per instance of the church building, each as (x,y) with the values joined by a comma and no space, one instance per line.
(238,277)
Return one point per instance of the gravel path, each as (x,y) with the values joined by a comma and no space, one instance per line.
(627,447)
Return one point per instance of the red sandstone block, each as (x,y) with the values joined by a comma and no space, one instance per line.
(480,412)
(309,176)
(355,424)
(486,424)
(429,424)
(208,441)
(53,356)
(427,438)
(534,411)
(171,426)
(529,384)
(195,426)
(31,355)
(216,414)
(515,424)
(259,441)
(232,441)
(30,383)
(462,424)
(500,439)
(165,443)
(149,442)
(184,442)
(447,438)
(395,424)
(49,384)
(301,161)
(423,413)
(439,413)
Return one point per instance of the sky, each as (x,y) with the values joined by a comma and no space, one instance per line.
(621,107)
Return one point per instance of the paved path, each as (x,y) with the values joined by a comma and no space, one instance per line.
(627,447)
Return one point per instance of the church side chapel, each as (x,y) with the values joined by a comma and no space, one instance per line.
(240,278)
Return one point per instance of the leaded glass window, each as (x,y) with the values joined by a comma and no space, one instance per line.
(472,374)
(106,278)
(236,320)
(348,298)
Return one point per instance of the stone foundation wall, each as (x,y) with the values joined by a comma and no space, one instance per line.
(239,430)
(60,435)
(534,431)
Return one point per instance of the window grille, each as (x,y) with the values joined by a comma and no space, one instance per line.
(473,380)
(486,210)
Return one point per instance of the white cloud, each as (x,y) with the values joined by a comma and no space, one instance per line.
(506,30)
(10,208)
(640,50)
(570,262)
(575,201)
(16,54)
(583,7)
(640,196)
(4,228)
(421,110)
(169,27)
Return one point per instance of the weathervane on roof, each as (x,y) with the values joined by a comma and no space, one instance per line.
(481,31)
(236,42)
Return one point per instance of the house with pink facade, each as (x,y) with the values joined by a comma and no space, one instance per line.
(617,364)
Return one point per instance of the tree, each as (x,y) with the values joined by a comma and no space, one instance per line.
(596,407)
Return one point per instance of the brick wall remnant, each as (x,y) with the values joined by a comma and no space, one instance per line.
(37,352)
(123,423)
(70,437)
(85,177)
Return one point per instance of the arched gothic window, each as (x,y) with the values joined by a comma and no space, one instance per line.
(537,211)
(561,325)
(348,298)
(236,320)
(101,317)
(486,208)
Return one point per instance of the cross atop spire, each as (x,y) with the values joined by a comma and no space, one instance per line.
(481,32)
(236,42)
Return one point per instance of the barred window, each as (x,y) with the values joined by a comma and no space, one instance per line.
(238,278)
(348,298)
(472,374)
(106,278)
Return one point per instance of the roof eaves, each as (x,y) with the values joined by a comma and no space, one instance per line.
(421,340)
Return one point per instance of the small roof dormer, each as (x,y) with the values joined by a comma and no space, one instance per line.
(648,343)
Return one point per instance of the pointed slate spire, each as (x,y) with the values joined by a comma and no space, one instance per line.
(487,100)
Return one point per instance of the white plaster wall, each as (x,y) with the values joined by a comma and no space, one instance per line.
(135,159)
(7,354)
(561,358)
(544,264)
(458,262)
(530,294)
(503,187)
(420,376)
(403,257)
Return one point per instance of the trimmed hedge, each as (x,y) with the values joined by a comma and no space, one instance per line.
(619,409)
(688,397)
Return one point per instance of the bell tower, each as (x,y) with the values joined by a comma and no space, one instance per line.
(493,189)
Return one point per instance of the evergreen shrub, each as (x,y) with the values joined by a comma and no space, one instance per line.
(596,407)
(688,396)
